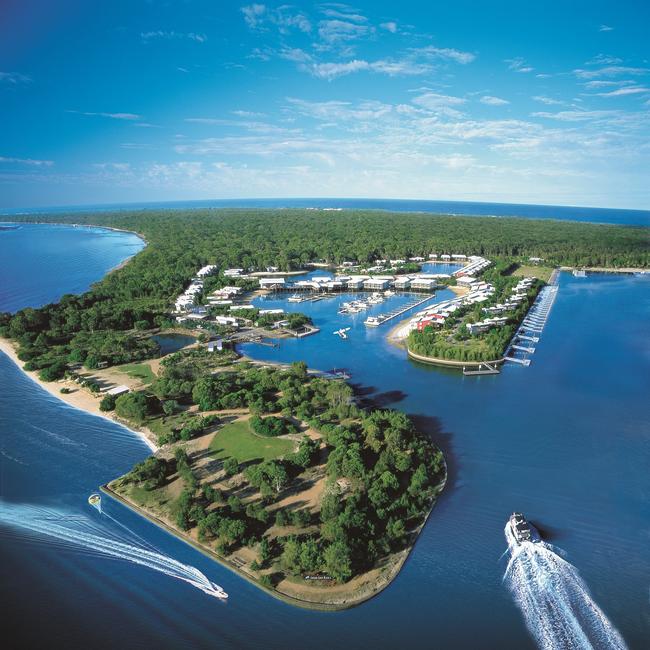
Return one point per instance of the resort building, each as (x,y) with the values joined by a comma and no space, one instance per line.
(485,325)
(422,283)
(355,283)
(402,283)
(233,273)
(378,283)
(229,321)
(206,270)
(270,283)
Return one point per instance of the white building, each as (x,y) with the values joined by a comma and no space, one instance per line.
(403,282)
(378,283)
(206,270)
(268,283)
(424,284)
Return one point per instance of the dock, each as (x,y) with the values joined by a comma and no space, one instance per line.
(523,362)
(483,369)
(376,321)
(532,324)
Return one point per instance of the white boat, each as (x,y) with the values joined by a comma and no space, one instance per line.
(295,298)
(342,333)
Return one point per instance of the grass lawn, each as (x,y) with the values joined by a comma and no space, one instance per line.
(141,371)
(541,272)
(237,440)
(165,423)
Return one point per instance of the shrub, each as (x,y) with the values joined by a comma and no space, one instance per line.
(107,403)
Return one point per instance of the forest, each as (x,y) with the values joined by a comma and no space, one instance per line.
(105,324)
(391,473)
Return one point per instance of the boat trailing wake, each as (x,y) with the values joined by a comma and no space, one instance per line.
(557,606)
(80,533)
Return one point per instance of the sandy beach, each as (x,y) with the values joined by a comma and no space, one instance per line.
(79,398)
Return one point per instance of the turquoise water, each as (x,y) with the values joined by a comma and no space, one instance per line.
(567,441)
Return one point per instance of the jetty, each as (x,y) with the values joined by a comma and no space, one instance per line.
(483,369)
(533,324)
(376,321)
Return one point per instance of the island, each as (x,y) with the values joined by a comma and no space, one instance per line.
(278,472)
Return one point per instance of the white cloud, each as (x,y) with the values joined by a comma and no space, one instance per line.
(549,101)
(113,116)
(627,90)
(609,71)
(493,101)
(445,53)
(440,104)
(338,31)
(257,16)
(192,36)
(604,59)
(341,11)
(332,70)
(26,161)
(241,113)
(575,116)
(390,26)
(295,54)
(518,64)
(432,100)
(254,15)
(338,110)
(601,83)
(14,78)
(605,28)
(400,67)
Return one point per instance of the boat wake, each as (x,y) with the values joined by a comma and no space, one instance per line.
(80,533)
(557,606)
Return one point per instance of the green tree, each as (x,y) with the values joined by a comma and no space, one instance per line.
(338,561)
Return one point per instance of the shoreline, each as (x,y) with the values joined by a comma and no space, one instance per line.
(380,584)
(78,399)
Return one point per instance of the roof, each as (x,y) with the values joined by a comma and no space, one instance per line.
(118,390)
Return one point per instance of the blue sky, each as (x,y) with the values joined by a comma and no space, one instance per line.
(162,100)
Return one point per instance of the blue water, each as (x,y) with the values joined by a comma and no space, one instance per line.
(39,263)
(470,208)
(172,342)
(567,441)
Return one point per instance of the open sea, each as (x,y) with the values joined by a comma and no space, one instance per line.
(566,441)
(466,208)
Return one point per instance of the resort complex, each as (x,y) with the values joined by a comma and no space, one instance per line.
(283,473)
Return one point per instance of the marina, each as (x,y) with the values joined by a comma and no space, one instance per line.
(376,321)
(532,324)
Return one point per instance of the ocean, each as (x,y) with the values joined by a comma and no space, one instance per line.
(468,208)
